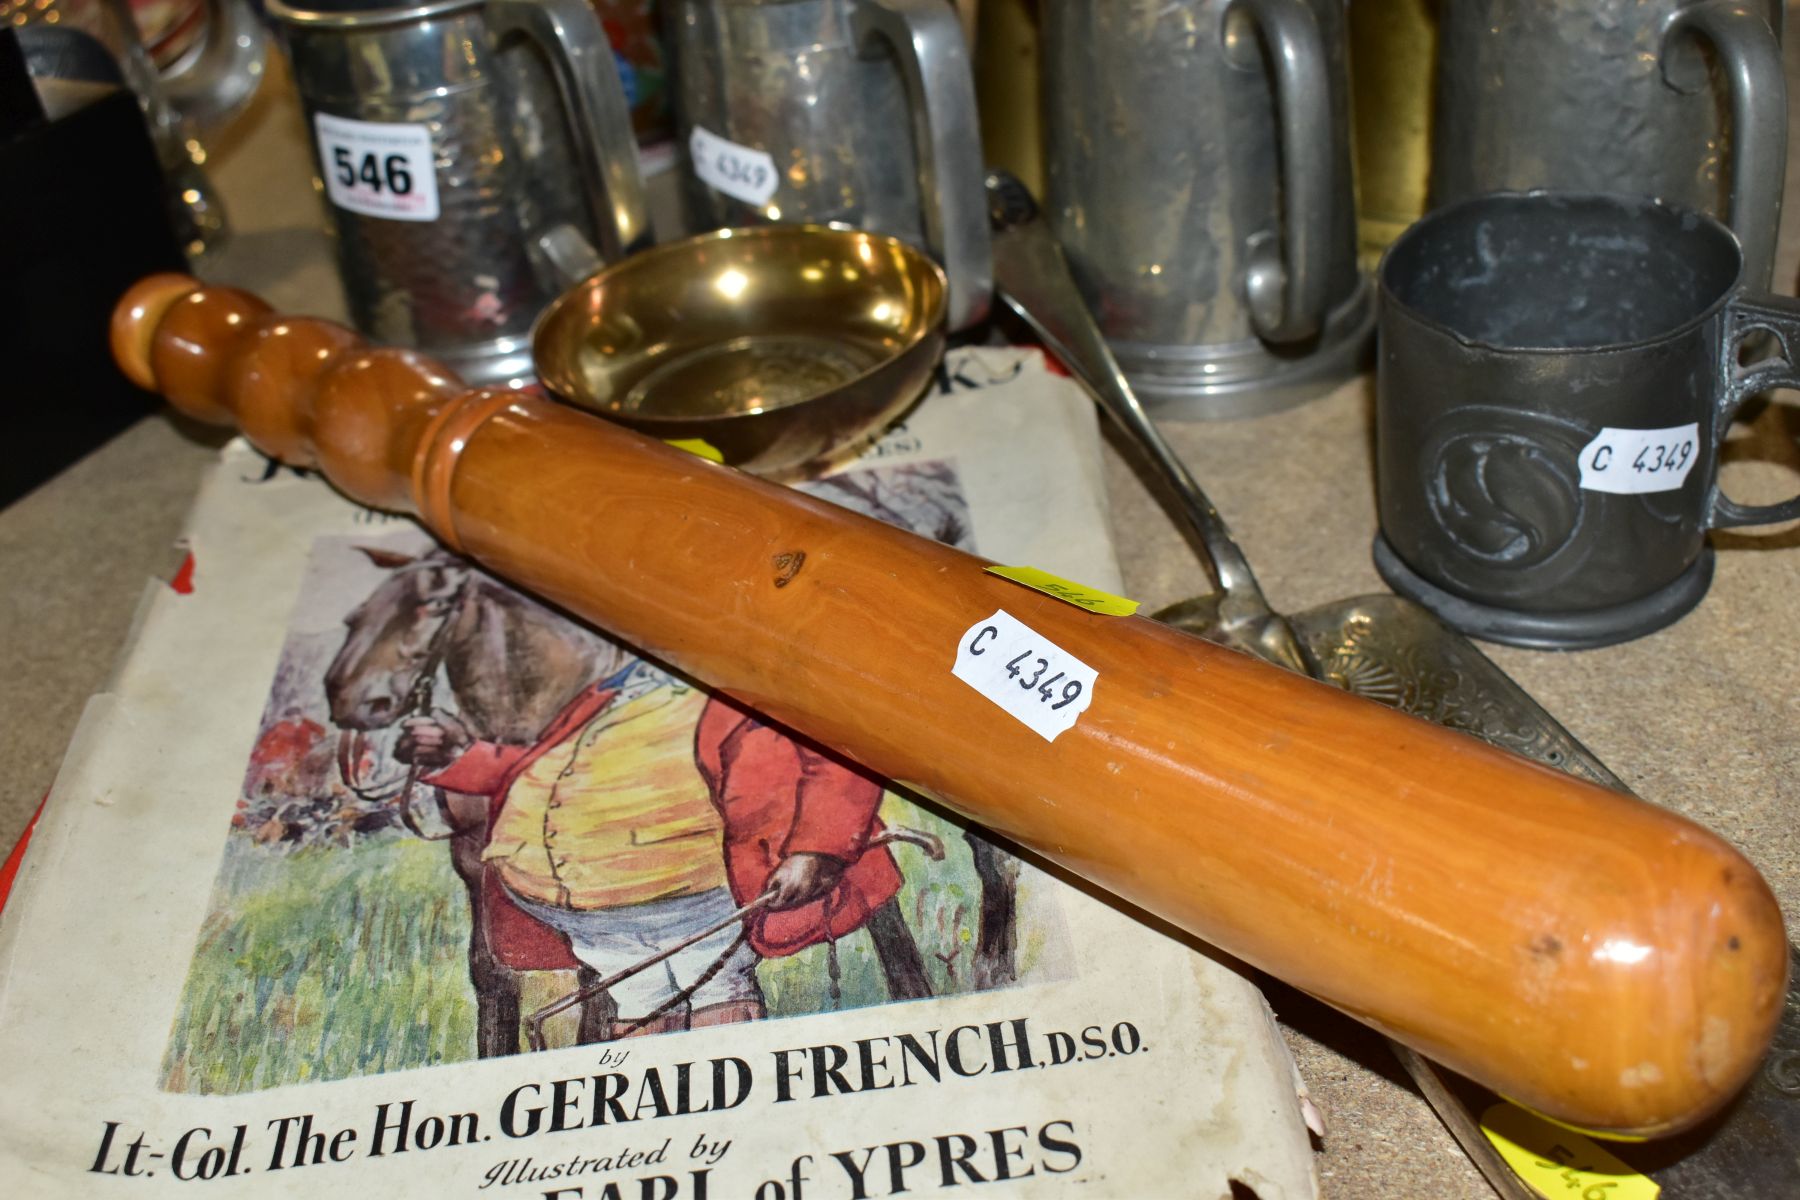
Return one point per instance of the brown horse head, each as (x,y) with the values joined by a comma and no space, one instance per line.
(511,662)
(391,637)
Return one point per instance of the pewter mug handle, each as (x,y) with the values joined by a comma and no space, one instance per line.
(928,40)
(1285,280)
(1750,55)
(587,80)
(1754,319)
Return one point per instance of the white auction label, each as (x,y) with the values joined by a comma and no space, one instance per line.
(378,169)
(1025,673)
(740,172)
(1627,462)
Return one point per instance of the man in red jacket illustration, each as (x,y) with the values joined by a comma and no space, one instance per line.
(649,810)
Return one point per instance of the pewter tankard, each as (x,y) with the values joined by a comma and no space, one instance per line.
(855,112)
(465,150)
(1198,162)
(1681,100)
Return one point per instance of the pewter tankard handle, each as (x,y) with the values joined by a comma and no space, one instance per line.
(587,78)
(1758,320)
(1286,278)
(1750,54)
(940,85)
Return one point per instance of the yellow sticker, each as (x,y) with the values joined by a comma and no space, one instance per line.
(699,447)
(1092,599)
(1558,1163)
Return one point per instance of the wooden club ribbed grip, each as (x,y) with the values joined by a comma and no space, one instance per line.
(1605,962)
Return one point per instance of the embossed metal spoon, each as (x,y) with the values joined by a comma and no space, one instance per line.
(1390,650)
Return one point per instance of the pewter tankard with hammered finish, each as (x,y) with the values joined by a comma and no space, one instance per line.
(462,147)
(1198,164)
(1674,99)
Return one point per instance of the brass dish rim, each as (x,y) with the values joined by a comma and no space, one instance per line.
(935,315)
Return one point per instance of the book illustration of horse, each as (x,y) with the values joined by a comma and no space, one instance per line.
(513,664)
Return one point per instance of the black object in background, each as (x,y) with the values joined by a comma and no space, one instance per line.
(82,217)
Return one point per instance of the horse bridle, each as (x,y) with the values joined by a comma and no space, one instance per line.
(352,743)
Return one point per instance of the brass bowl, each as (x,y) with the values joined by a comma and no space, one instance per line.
(777,345)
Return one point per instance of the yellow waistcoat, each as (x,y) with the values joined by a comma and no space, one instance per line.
(617,814)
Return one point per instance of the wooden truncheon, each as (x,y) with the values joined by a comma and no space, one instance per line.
(1602,961)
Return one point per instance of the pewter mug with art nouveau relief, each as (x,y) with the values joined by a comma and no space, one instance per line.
(1557,372)
(852,112)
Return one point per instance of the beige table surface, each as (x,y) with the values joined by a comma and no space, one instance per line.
(1699,717)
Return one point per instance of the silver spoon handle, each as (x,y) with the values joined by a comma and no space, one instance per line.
(1034,282)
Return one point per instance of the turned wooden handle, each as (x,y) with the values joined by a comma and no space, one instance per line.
(1605,962)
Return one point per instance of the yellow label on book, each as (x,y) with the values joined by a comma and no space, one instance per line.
(1559,1163)
(1092,599)
(699,448)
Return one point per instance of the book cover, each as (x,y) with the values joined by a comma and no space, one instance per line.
(370,872)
